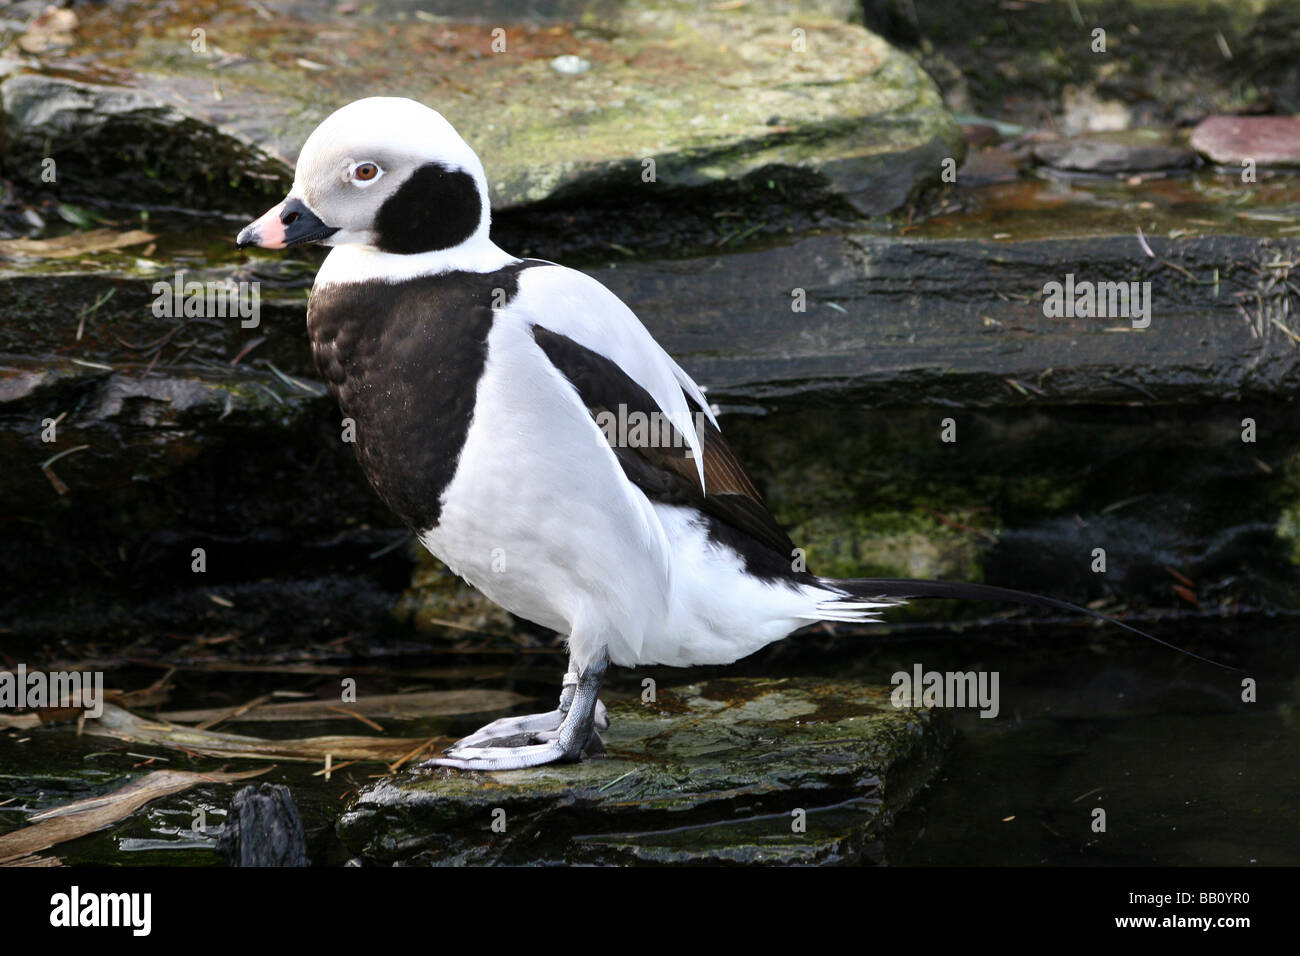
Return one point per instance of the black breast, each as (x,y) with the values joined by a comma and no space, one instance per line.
(404,361)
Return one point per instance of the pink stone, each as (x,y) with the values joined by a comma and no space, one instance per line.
(1268,140)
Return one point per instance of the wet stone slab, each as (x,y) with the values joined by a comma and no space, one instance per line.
(711,773)
(1138,150)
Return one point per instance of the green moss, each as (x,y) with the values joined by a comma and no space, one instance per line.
(891,545)
(436,597)
(1286,494)
(713,782)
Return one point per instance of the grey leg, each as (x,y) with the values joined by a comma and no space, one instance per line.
(566,696)
(536,728)
(517,742)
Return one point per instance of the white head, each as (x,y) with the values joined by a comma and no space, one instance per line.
(386,174)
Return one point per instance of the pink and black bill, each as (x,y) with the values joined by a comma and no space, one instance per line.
(290,223)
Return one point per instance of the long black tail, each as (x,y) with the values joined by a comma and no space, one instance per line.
(870,589)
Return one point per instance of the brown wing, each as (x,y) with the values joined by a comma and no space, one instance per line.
(658,460)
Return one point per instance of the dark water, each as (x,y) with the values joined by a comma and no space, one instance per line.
(1186,773)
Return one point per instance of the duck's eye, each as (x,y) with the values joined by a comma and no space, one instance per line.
(363,174)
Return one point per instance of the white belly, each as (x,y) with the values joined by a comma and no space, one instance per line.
(539,517)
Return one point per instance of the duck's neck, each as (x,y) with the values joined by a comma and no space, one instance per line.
(363,263)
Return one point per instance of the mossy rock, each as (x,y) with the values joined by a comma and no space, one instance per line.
(705,96)
(732,771)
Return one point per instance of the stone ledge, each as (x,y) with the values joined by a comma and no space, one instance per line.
(710,774)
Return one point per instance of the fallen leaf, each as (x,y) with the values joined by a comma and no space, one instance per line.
(433,703)
(74,244)
(124,725)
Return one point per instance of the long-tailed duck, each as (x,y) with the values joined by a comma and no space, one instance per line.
(491,397)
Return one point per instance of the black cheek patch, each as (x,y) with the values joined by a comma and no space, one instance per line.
(436,208)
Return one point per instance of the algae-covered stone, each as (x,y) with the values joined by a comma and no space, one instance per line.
(795,770)
(671,97)
(135,146)
(438,599)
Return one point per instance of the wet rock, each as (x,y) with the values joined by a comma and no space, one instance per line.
(159,452)
(692,95)
(1264,140)
(132,427)
(1131,151)
(892,322)
(145,145)
(886,321)
(711,773)
(1163,64)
